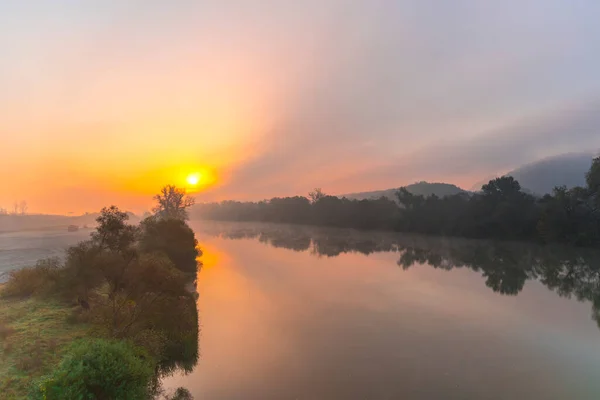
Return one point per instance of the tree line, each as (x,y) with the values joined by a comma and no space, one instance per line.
(130,285)
(19,208)
(501,210)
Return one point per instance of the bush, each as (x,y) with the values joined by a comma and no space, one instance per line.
(38,280)
(82,271)
(98,369)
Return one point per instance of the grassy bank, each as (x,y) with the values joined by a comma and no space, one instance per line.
(33,336)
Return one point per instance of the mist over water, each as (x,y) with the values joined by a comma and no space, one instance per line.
(297,312)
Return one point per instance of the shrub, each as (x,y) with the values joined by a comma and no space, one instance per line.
(98,369)
(82,270)
(38,280)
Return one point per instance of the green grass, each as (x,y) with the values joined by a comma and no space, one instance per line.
(33,336)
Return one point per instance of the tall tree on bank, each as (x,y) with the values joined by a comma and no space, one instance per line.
(172,202)
(167,232)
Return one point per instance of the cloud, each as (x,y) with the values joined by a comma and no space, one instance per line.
(569,129)
(399,92)
(348,96)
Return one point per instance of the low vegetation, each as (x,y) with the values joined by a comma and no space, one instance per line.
(33,338)
(502,210)
(99,369)
(123,292)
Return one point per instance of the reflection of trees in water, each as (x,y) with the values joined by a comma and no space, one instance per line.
(181,353)
(505,269)
(296,242)
(181,348)
(506,266)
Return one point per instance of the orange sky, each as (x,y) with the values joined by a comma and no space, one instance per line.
(104,102)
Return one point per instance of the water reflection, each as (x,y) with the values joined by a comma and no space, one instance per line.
(180,340)
(505,266)
(290,312)
(181,353)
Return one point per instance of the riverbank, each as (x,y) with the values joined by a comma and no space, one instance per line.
(124,293)
(34,334)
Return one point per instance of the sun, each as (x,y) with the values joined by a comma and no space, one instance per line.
(193,179)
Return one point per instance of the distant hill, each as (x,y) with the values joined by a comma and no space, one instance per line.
(541,177)
(420,188)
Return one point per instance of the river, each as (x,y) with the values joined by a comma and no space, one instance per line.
(307,313)
(291,312)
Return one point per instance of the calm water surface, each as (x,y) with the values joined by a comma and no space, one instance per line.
(300,313)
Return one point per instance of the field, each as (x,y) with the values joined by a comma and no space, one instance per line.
(21,249)
(33,332)
(33,335)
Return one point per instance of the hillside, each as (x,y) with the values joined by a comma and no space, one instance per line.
(420,188)
(542,176)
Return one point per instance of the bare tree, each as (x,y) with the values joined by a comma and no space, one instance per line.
(15,210)
(172,202)
(23,207)
(3,211)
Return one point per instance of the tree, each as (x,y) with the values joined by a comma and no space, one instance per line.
(172,202)
(117,253)
(504,211)
(113,233)
(592,177)
(174,238)
(23,207)
(504,186)
(593,182)
(316,195)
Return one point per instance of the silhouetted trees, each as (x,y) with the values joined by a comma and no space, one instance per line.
(172,202)
(316,195)
(502,210)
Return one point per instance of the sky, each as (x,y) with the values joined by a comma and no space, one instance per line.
(103,102)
